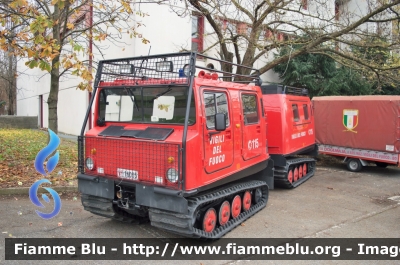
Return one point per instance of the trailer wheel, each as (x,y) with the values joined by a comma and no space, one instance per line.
(381,164)
(305,169)
(354,164)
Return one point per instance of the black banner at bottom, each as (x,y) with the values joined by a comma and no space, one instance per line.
(189,249)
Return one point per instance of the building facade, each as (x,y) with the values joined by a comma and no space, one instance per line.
(168,33)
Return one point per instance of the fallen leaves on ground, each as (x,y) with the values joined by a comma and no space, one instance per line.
(18,150)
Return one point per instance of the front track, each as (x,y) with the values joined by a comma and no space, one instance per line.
(190,224)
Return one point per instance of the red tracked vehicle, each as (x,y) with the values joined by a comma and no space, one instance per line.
(188,152)
(290,133)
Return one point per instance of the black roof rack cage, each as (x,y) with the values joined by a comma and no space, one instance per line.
(282,89)
(167,69)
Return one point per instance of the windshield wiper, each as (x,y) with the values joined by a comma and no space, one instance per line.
(132,98)
(163,93)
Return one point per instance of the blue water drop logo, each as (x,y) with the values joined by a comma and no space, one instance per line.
(51,165)
(45,152)
(35,200)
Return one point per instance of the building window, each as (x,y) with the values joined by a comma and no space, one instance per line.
(295,112)
(243,28)
(197,33)
(304,4)
(269,34)
(281,37)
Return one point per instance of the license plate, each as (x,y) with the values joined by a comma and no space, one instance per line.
(127,174)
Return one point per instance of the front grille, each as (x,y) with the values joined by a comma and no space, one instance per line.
(131,159)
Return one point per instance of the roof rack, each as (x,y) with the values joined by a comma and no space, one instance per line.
(167,69)
(282,89)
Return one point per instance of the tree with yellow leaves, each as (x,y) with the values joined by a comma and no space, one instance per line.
(53,34)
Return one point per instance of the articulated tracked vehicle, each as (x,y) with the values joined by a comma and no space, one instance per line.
(177,144)
(290,134)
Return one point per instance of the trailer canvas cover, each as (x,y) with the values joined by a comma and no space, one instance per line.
(364,122)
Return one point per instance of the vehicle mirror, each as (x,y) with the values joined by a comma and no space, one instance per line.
(220,122)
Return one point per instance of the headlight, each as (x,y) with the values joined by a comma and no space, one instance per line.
(89,163)
(172,175)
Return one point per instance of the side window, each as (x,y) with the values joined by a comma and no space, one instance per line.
(197,33)
(295,112)
(305,109)
(250,110)
(215,103)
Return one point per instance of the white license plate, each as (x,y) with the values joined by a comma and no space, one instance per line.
(127,174)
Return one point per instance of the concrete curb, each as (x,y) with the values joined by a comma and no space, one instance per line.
(25,190)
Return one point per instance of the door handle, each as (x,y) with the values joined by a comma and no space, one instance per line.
(258,129)
(212,133)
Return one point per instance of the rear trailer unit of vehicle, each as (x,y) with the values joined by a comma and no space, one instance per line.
(290,134)
(361,129)
(175,143)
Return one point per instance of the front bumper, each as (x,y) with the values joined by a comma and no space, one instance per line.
(145,195)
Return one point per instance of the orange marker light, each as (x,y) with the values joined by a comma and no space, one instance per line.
(171,160)
(93,151)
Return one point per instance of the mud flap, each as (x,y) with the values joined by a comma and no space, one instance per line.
(267,175)
(269,171)
(96,186)
(160,198)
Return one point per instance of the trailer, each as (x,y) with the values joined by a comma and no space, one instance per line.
(361,129)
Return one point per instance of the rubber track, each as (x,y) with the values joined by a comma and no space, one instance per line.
(183,223)
(281,173)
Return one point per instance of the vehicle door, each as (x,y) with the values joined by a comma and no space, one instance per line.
(251,124)
(218,145)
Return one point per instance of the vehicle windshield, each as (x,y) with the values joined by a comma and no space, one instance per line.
(164,104)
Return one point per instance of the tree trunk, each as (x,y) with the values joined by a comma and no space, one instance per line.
(53,96)
(11,89)
(52,101)
(11,84)
(226,56)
